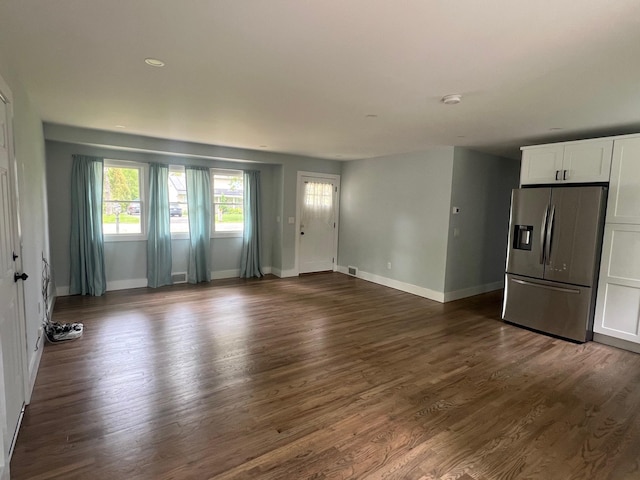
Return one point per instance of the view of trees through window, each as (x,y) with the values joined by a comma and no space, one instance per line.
(121,205)
(228,191)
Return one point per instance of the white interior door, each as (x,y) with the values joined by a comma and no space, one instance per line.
(317,223)
(10,342)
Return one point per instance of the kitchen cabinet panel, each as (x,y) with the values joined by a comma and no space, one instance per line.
(618,299)
(624,189)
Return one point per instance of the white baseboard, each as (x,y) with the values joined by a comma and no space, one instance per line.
(220,274)
(422,291)
(284,273)
(111,285)
(398,285)
(126,284)
(470,292)
(34,364)
(142,282)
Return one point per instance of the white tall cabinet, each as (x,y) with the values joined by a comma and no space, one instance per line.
(618,301)
(615,160)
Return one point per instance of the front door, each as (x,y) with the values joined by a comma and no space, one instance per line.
(10,343)
(317,229)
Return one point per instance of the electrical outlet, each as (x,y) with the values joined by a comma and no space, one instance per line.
(388,265)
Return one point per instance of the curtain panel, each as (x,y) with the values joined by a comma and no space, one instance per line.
(251,237)
(199,210)
(159,231)
(87,242)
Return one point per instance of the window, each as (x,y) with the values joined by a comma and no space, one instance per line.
(228,191)
(179,221)
(122,199)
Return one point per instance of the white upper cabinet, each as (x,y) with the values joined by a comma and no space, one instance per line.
(624,190)
(541,164)
(574,162)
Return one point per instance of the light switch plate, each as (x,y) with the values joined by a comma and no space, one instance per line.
(292,220)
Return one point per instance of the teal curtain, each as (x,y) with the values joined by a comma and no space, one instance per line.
(250,260)
(87,242)
(199,209)
(159,236)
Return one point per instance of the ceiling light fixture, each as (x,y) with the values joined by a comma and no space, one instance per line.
(120,126)
(371,115)
(264,146)
(556,129)
(154,62)
(452,99)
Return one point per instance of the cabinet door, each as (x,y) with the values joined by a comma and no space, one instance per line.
(540,164)
(587,162)
(618,301)
(624,189)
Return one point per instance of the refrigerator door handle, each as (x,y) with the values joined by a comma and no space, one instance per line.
(549,231)
(548,287)
(543,228)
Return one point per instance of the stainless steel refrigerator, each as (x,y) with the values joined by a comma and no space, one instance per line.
(555,239)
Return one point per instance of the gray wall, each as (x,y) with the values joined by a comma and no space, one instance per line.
(285,184)
(395,209)
(127,260)
(481,188)
(30,157)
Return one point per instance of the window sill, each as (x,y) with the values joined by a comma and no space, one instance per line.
(226,235)
(125,238)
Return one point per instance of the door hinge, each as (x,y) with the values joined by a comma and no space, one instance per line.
(333,260)
(336,189)
(334,224)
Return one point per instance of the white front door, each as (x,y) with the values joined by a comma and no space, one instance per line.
(10,342)
(317,230)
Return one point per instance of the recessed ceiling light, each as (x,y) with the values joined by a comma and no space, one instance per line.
(264,146)
(338,156)
(555,129)
(154,62)
(120,126)
(461,136)
(371,115)
(452,99)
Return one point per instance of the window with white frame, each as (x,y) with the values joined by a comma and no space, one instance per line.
(123,204)
(228,197)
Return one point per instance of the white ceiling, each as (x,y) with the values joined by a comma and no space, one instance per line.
(301,76)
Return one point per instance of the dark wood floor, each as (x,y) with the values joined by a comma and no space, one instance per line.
(323,377)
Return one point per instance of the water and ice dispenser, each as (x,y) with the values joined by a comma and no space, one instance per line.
(523,237)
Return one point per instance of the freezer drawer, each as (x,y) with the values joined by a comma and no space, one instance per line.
(559,309)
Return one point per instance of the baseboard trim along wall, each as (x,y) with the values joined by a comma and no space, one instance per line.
(34,364)
(470,292)
(142,282)
(616,342)
(422,291)
(398,285)
(284,273)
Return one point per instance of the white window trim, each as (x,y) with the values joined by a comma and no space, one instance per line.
(144,201)
(223,171)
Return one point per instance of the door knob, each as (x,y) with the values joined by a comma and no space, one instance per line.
(17,276)
(301,233)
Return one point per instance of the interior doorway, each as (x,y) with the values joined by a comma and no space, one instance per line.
(317,222)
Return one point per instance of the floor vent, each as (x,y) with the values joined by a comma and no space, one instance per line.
(180,277)
(353,271)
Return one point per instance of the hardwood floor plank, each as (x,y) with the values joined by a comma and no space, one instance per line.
(322,377)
